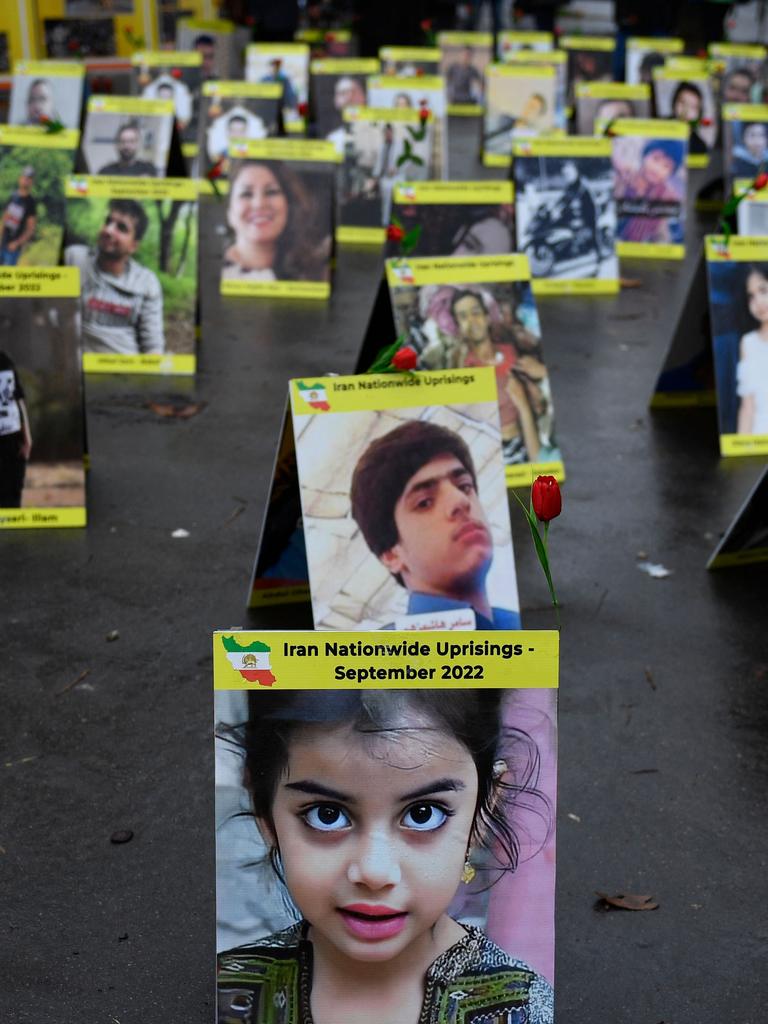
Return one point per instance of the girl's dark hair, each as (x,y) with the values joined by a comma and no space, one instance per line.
(506,758)
(303,249)
(688,87)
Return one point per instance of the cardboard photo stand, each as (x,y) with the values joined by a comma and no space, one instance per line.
(745,541)
(131,136)
(42,427)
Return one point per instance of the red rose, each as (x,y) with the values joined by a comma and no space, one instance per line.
(760,181)
(426,25)
(303,109)
(405,359)
(546,498)
(395,233)
(424,114)
(176,72)
(216,170)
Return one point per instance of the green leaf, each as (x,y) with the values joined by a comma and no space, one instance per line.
(411,240)
(383,361)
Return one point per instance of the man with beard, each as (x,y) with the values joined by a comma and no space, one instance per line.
(127,143)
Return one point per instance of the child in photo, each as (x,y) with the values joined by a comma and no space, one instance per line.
(650,187)
(752,368)
(750,151)
(374,807)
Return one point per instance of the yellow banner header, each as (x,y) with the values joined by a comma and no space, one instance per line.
(48,282)
(424,83)
(245,90)
(220,25)
(469,192)
(49,68)
(107,186)
(748,50)
(650,127)
(23,518)
(745,111)
(526,38)
(422,270)
(565,145)
(672,73)
(322,395)
(345,66)
(135,105)
(405,115)
(298,660)
(661,45)
(37,137)
(465,39)
(587,43)
(167,59)
(428,54)
(737,248)
(553,57)
(317,150)
(277,49)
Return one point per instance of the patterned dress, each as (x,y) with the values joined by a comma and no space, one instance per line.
(473,982)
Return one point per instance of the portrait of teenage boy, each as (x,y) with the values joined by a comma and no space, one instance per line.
(122,301)
(415,498)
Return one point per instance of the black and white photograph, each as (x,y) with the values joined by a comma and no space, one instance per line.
(566,216)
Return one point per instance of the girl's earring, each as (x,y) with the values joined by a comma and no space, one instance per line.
(468,872)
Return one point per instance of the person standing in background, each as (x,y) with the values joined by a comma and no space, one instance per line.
(19,219)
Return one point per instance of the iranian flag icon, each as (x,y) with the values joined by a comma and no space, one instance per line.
(314,395)
(250,660)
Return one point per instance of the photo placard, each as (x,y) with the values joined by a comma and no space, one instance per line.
(366,447)
(280,218)
(176,76)
(92,28)
(474,904)
(134,241)
(127,135)
(565,214)
(649,158)
(214,39)
(456,218)
(752,211)
(737,275)
(417,93)
(233,111)
(557,59)
(520,102)
(326,43)
(745,142)
(42,473)
(33,165)
(384,147)
(459,313)
(739,71)
(687,96)
(590,59)
(286,65)
(335,85)
(606,101)
(643,54)
(464,56)
(46,91)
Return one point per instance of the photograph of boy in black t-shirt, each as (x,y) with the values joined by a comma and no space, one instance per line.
(19,219)
(15,435)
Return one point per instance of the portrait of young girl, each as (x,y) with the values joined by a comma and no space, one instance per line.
(375,809)
(279,223)
(752,367)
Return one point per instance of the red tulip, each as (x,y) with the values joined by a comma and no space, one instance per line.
(395,233)
(424,114)
(405,359)
(760,181)
(303,109)
(176,72)
(546,498)
(426,25)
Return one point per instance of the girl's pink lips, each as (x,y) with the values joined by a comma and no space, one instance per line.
(373,923)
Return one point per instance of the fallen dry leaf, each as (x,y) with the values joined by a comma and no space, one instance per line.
(172,411)
(630,282)
(628,901)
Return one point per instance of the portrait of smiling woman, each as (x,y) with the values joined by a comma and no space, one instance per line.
(375,807)
(280,227)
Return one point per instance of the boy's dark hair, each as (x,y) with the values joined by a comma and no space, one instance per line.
(130,208)
(128,126)
(466,293)
(671,148)
(386,466)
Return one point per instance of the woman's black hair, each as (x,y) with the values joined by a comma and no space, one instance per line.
(688,87)
(506,758)
(302,251)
